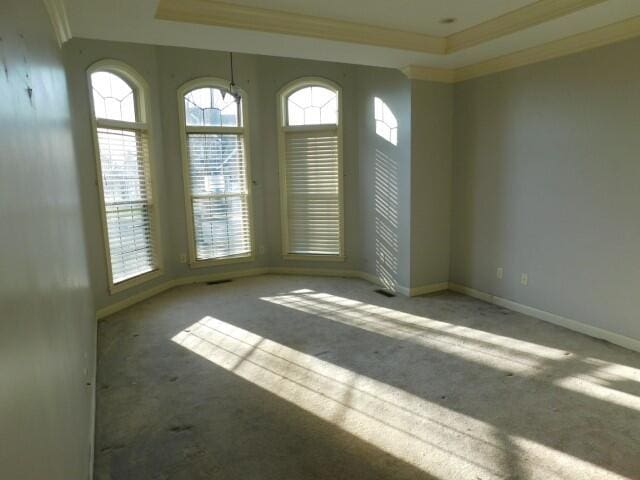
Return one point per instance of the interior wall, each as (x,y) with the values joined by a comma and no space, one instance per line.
(431,181)
(47,319)
(546,177)
(385,179)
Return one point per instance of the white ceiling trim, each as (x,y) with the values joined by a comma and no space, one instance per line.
(514,21)
(221,14)
(59,20)
(580,42)
(417,72)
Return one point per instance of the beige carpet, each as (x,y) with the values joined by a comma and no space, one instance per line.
(287,378)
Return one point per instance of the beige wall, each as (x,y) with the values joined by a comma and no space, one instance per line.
(546,182)
(47,319)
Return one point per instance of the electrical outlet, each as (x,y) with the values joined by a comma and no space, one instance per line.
(499,273)
(524,279)
(183,258)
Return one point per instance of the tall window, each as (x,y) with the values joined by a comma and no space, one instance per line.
(311,170)
(124,173)
(215,171)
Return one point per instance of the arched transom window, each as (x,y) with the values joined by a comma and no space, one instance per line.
(124,173)
(216,177)
(311,170)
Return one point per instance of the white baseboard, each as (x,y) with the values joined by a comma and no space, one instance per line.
(320,272)
(371,278)
(133,299)
(141,296)
(213,277)
(616,338)
(425,289)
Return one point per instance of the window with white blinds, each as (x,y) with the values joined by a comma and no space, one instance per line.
(122,141)
(311,170)
(216,174)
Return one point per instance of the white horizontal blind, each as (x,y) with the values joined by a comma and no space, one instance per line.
(313,191)
(124,164)
(219,195)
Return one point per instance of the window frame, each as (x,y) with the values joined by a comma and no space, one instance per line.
(143,123)
(283,129)
(219,83)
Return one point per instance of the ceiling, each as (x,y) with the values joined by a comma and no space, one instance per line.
(388,33)
(409,15)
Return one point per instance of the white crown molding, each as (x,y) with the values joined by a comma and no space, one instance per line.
(417,72)
(59,20)
(514,21)
(580,42)
(426,289)
(221,14)
(211,12)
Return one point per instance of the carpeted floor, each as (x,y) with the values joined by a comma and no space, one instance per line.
(292,378)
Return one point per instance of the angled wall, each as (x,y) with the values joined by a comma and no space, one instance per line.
(431,183)
(384,188)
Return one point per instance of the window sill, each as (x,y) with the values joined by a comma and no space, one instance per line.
(221,261)
(134,281)
(314,258)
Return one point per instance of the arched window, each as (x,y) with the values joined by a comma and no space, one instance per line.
(212,123)
(121,130)
(311,170)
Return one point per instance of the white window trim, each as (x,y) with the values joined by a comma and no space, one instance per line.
(283,128)
(141,95)
(244,130)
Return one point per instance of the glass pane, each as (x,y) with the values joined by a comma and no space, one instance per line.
(211,107)
(329,112)
(123,163)
(124,166)
(113,98)
(218,187)
(216,164)
(221,226)
(296,114)
(130,243)
(313,105)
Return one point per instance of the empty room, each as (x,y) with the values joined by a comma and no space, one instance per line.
(332,240)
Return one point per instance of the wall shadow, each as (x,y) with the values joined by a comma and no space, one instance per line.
(386,206)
